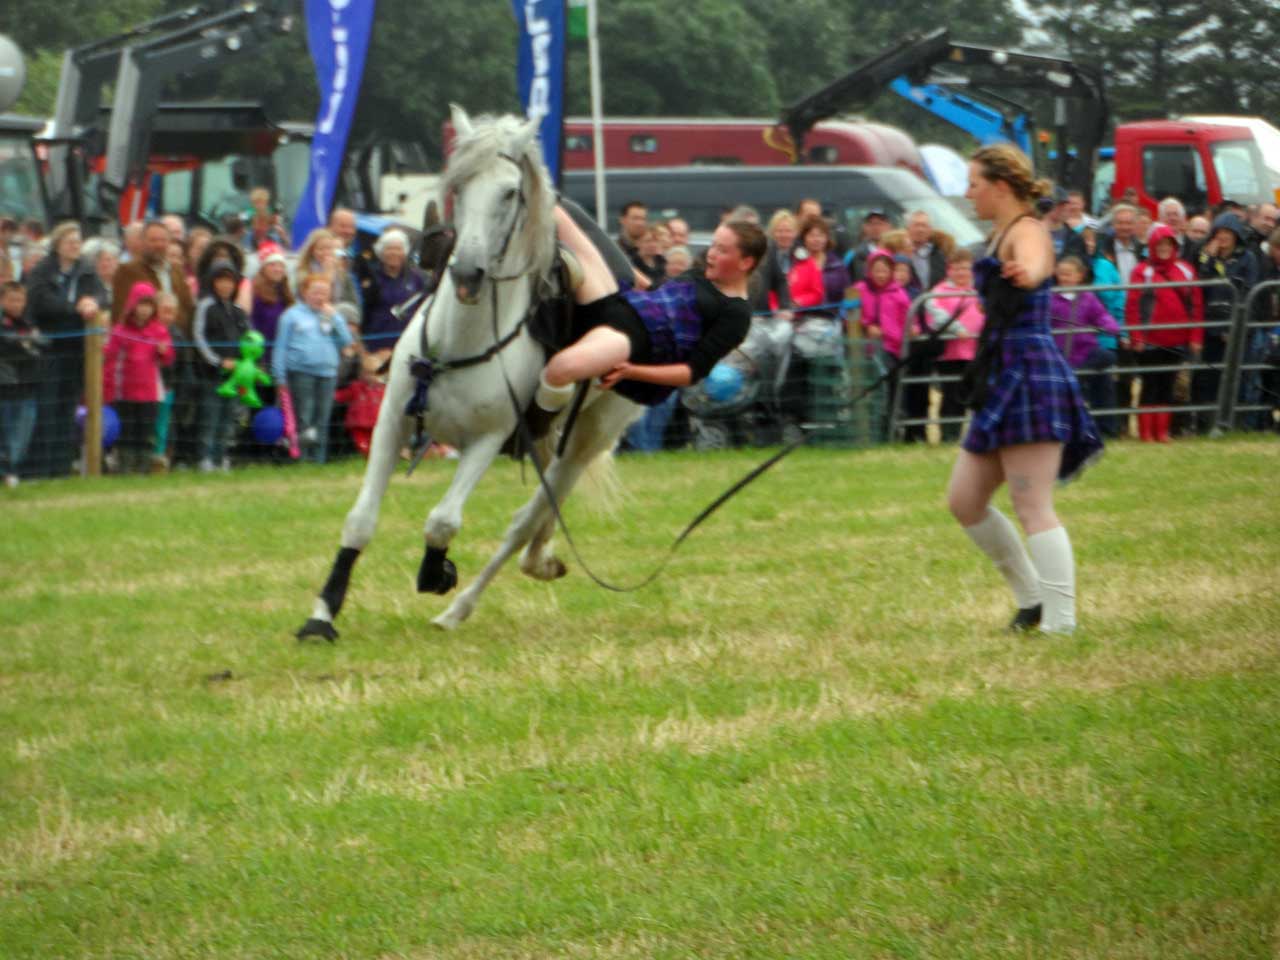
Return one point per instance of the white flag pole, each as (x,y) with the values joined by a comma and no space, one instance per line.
(597,110)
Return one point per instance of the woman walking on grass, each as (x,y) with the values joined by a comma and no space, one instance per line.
(1030,426)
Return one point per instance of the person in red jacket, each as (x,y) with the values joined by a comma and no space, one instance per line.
(1150,314)
(137,349)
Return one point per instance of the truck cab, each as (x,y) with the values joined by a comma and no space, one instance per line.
(1201,164)
(22,188)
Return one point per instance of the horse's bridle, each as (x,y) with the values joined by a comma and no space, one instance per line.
(521,207)
(426,367)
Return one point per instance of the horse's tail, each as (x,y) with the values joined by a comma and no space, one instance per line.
(601,486)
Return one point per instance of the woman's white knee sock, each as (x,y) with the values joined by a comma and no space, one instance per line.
(551,398)
(1051,553)
(999,540)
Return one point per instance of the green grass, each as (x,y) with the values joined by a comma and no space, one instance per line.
(810,739)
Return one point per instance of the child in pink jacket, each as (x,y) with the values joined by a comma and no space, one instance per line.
(882,313)
(961,334)
(138,347)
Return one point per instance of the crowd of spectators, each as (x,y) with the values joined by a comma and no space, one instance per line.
(179,299)
(815,274)
(176,302)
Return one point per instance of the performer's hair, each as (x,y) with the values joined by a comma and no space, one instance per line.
(1004,161)
(751,240)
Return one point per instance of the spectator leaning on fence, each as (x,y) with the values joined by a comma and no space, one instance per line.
(21,347)
(1149,315)
(1224,255)
(219,325)
(139,346)
(64,294)
(311,338)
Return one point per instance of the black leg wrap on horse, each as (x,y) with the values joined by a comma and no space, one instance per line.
(437,573)
(315,629)
(335,588)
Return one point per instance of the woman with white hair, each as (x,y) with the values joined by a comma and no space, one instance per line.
(393,281)
(103,257)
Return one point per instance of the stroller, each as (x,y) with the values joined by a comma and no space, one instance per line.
(755,412)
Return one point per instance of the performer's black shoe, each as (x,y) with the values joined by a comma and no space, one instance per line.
(1026,619)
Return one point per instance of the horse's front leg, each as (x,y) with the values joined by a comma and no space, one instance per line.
(362,519)
(437,573)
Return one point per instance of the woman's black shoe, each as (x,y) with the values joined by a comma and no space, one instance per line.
(1028,618)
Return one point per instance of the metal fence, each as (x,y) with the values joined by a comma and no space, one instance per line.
(810,376)
(1231,349)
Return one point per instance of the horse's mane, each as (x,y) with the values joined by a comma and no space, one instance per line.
(476,151)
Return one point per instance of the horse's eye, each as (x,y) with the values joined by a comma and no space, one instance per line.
(509,195)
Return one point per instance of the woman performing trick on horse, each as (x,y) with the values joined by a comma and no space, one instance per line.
(1030,426)
(647,343)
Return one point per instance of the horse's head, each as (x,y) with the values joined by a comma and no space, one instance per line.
(501,202)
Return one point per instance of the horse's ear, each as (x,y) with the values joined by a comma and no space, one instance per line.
(461,122)
(524,137)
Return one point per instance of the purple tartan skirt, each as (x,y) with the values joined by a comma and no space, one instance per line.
(1035,398)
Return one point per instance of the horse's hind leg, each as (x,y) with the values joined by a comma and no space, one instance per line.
(536,561)
(598,430)
(524,525)
(362,520)
(600,426)
(437,573)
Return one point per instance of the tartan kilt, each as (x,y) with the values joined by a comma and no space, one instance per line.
(1035,398)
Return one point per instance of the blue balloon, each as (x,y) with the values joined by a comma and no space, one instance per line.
(110,424)
(268,425)
(110,427)
(723,383)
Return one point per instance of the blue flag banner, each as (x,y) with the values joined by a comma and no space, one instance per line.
(540,72)
(338,37)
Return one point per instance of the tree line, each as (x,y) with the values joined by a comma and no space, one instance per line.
(713,58)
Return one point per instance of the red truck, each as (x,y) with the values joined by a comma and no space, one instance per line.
(677,142)
(1201,164)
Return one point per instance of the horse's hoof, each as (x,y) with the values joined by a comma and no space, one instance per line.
(548,568)
(315,629)
(437,579)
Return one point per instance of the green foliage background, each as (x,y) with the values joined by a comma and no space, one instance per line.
(717,57)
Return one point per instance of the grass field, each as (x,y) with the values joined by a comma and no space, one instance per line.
(810,739)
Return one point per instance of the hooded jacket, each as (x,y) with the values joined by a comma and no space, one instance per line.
(219,324)
(133,356)
(1146,311)
(884,307)
(1240,266)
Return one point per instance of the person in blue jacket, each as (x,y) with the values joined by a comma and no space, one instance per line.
(309,341)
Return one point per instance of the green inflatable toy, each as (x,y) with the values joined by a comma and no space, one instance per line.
(243,380)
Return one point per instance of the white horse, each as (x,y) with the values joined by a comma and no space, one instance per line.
(504,255)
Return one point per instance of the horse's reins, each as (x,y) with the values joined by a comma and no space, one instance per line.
(528,442)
